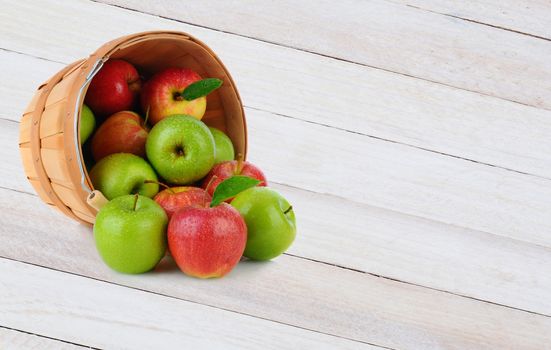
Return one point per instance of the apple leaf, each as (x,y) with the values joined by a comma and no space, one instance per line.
(201,88)
(231,187)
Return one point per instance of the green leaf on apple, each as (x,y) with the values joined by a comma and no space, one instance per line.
(201,88)
(231,187)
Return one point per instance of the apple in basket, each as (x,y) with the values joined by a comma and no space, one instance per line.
(176,91)
(114,88)
(224,146)
(123,132)
(181,149)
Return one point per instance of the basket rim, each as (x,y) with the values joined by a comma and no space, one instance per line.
(88,69)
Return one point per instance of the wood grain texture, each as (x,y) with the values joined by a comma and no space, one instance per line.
(395,245)
(315,296)
(532,17)
(386,35)
(108,316)
(429,185)
(378,103)
(16,340)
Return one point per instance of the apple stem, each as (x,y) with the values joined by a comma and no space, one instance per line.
(239,163)
(207,188)
(136,201)
(146,116)
(160,184)
(288,209)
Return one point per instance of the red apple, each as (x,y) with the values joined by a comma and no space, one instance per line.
(162,95)
(207,242)
(123,132)
(174,198)
(227,169)
(115,88)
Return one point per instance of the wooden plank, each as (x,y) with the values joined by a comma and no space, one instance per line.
(17,340)
(288,290)
(532,17)
(383,174)
(404,247)
(378,103)
(400,178)
(105,315)
(386,35)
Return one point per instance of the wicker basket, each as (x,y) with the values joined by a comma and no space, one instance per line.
(49,141)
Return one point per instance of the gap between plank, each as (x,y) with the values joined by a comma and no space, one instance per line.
(47,337)
(324,55)
(29,55)
(336,128)
(362,203)
(190,301)
(315,261)
(472,21)
(417,285)
(398,142)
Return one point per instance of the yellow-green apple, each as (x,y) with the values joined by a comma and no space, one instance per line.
(225,170)
(130,233)
(162,95)
(181,149)
(223,145)
(87,123)
(120,174)
(207,242)
(114,88)
(174,198)
(123,132)
(271,224)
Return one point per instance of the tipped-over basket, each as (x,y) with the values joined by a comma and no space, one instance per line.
(49,131)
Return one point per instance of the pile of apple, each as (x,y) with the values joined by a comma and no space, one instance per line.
(212,209)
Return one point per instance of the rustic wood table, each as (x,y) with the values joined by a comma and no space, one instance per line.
(412,137)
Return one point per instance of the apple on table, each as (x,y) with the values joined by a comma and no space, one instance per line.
(130,234)
(208,241)
(173,199)
(227,169)
(270,219)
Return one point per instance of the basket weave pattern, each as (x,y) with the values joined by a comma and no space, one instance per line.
(48,139)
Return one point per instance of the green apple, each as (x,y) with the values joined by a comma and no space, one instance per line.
(181,149)
(224,146)
(87,123)
(271,225)
(120,174)
(130,233)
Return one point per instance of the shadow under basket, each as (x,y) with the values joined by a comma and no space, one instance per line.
(49,131)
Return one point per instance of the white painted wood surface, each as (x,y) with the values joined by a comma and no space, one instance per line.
(381,104)
(347,304)
(386,35)
(424,211)
(427,183)
(109,316)
(531,17)
(498,270)
(17,340)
